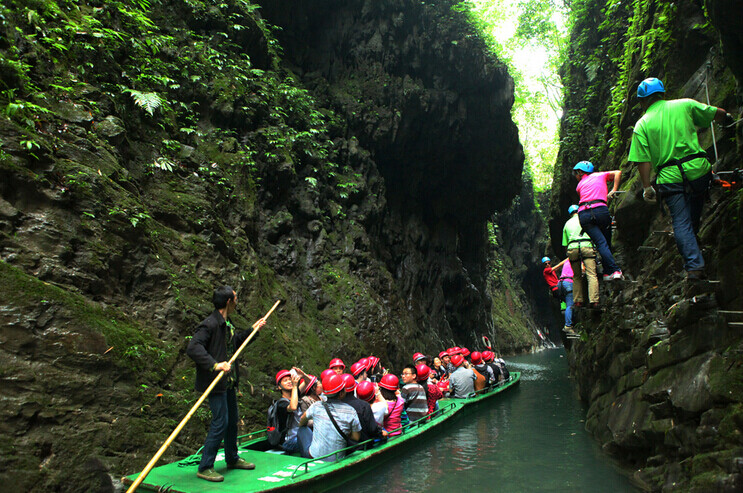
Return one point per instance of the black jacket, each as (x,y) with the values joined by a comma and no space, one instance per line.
(369,426)
(209,347)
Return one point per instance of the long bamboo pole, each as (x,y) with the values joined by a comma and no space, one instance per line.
(178,428)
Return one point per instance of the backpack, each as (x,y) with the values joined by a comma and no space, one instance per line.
(275,431)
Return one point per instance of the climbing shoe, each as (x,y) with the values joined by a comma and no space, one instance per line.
(569,330)
(695,275)
(210,475)
(611,277)
(241,464)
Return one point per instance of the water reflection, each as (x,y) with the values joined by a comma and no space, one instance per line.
(530,439)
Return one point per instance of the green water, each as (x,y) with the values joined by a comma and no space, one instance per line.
(530,439)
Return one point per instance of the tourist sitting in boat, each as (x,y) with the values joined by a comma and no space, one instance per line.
(335,423)
(288,384)
(481,367)
(388,386)
(369,426)
(462,381)
(337,365)
(413,393)
(502,365)
(488,357)
(374,370)
(358,370)
(446,360)
(419,358)
(433,393)
(370,393)
(439,370)
(312,393)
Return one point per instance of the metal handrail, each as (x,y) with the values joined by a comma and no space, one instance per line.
(402,429)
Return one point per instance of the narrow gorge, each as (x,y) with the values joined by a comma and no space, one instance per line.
(359,160)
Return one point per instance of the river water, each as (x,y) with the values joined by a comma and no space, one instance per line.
(530,439)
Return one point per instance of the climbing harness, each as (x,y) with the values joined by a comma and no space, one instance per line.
(591,202)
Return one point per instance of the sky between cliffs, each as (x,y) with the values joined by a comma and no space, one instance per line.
(530,37)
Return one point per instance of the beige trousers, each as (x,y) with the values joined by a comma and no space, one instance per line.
(588,256)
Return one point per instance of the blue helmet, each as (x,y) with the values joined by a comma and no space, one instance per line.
(545,259)
(572,208)
(650,86)
(585,166)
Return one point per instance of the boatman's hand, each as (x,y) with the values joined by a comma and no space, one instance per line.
(223,366)
(648,194)
(260,323)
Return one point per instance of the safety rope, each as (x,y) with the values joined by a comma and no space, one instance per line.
(712,124)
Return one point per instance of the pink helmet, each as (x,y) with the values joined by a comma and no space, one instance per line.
(332,384)
(389,382)
(365,391)
(457,360)
(418,356)
(422,371)
(325,373)
(281,374)
(476,357)
(349,381)
(336,362)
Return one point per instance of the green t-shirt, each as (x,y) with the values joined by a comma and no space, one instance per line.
(668,131)
(571,234)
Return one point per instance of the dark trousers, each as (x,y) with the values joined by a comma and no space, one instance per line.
(304,440)
(596,223)
(223,426)
(685,204)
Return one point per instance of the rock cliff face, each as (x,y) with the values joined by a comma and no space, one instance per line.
(660,369)
(347,162)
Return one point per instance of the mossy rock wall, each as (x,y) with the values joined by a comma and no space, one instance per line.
(658,367)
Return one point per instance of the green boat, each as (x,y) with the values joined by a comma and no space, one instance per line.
(276,471)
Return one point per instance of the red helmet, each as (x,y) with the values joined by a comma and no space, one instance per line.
(443,353)
(325,373)
(332,384)
(444,385)
(357,369)
(364,362)
(281,374)
(365,391)
(476,357)
(465,352)
(457,360)
(455,350)
(422,371)
(310,383)
(488,355)
(389,382)
(418,356)
(349,381)
(336,362)
(373,361)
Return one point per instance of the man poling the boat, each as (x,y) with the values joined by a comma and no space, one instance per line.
(211,347)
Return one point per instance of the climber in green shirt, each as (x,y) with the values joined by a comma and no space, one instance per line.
(666,139)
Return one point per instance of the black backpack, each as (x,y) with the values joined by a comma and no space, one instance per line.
(276,431)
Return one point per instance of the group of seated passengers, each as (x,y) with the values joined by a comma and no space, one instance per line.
(325,415)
